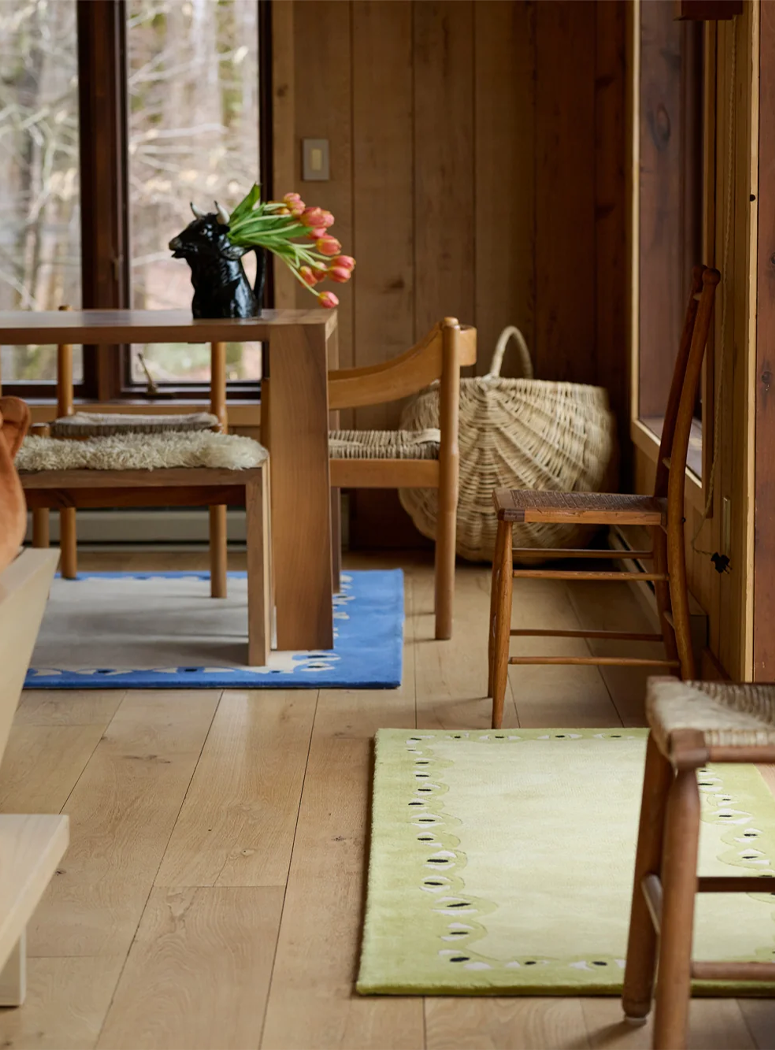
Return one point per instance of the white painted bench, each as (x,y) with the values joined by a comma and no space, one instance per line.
(31,845)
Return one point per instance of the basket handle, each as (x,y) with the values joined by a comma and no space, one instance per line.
(500,350)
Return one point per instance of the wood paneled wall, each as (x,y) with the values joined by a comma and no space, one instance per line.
(477,170)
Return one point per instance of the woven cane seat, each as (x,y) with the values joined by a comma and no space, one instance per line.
(720,714)
(204,448)
(384,444)
(99,424)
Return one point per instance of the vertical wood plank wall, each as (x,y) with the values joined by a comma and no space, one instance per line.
(477,170)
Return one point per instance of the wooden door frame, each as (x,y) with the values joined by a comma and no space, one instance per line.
(764,408)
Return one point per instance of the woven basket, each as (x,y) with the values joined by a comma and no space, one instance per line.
(517,433)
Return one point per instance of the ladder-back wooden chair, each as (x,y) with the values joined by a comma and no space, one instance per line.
(404,459)
(78,426)
(661,513)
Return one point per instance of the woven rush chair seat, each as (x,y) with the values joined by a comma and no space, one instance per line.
(692,724)
(384,444)
(719,714)
(99,424)
(164,451)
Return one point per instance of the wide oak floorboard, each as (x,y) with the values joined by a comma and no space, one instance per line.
(212,896)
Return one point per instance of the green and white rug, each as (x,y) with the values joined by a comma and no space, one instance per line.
(502,861)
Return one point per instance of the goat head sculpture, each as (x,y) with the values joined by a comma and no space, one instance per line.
(221,286)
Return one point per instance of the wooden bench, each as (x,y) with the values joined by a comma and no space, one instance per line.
(31,845)
(178,487)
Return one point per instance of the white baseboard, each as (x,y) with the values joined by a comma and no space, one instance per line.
(147,526)
(164,526)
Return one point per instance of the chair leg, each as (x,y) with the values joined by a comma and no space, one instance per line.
(679,596)
(642,943)
(336,539)
(662,593)
(41,531)
(218,551)
(679,886)
(68,553)
(259,571)
(501,626)
(497,557)
(446,530)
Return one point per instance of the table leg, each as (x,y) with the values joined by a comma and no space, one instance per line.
(259,570)
(334,423)
(301,502)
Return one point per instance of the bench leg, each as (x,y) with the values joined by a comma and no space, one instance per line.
(218,557)
(13,978)
(41,532)
(68,550)
(259,570)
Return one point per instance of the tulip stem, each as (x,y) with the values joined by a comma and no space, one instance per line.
(274,226)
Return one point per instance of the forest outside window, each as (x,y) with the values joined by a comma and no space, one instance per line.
(40,206)
(671,203)
(169,92)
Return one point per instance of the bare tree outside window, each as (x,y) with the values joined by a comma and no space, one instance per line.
(193,136)
(40,243)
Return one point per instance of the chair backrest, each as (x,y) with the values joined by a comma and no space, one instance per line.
(676,430)
(446,348)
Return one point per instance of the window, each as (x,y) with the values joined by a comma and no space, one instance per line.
(168,100)
(193,110)
(40,231)
(671,201)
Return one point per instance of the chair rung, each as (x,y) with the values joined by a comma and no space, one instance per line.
(652,891)
(630,636)
(728,971)
(582,574)
(551,553)
(736,884)
(602,661)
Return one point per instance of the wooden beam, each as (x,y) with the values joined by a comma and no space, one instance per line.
(764,470)
(102,91)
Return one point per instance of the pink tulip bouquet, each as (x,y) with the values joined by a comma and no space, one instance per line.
(298,234)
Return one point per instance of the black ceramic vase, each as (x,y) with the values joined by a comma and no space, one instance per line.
(221,286)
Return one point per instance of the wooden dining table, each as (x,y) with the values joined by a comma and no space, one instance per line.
(299,346)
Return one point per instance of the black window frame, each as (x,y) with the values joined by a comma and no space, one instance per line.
(104,184)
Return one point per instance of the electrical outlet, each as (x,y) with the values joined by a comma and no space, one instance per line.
(315,161)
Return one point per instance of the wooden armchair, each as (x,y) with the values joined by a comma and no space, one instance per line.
(403,459)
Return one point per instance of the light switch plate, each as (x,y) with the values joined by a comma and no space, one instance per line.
(314,163)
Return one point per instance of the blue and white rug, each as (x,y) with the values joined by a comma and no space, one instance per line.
(132,630)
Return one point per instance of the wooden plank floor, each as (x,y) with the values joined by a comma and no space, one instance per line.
(212,896)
